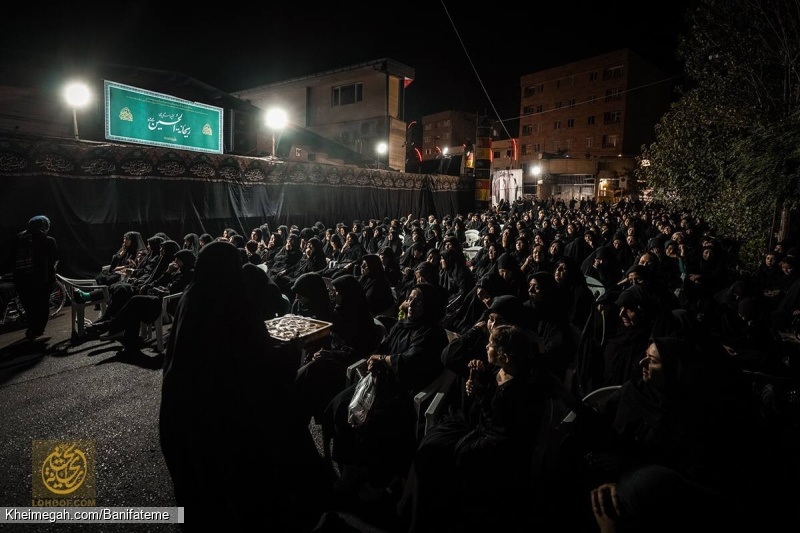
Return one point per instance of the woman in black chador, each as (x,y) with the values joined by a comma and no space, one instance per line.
(220,418)
(484,462)
(409,359)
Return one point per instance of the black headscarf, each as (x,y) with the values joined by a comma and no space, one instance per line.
(188,258)
(312,286)
(352,320)
(39,225)
(435,305)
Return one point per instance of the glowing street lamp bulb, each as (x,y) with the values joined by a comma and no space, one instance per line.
(277,119)
(77,94)
(381,148)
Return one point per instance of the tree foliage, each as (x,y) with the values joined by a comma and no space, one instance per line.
(728,148)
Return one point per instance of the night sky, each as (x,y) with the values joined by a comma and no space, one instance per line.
(465,58)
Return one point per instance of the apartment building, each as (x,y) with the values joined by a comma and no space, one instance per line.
(583,123)
(359,106)
(447,132)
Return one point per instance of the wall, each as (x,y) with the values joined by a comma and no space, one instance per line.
(95,192)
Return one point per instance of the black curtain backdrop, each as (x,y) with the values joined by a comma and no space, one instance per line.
(95,192)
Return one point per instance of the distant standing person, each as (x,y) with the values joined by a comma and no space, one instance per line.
(35,254)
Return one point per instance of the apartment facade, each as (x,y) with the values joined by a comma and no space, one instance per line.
(358,106)
(447,132)
(597,112)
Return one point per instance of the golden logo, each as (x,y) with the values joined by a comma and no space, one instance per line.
(63,468)
(125,114)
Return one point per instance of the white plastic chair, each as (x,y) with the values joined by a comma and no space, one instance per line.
(592,399)
(423,401)
(472,236)
(78,309)
(163,319)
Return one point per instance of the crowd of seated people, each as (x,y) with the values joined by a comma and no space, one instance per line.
(669,319)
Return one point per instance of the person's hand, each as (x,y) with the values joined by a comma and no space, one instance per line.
(322,354)
(475,369)
(605,506)
(376,363)
(480,324)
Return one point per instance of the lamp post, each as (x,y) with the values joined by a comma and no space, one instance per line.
(77,95)
(380,149)
(276,120)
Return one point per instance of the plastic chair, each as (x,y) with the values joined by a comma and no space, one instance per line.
(163,319)
(423,400)
(595,286)
(592,399)
(78,309)
(472,236)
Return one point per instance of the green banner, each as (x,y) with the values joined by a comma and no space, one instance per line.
(144,117)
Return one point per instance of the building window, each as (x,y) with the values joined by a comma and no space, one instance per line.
(527,130)
(592,98)
(557,125)
(610,141)
(590,120)
(537,147)
(612,117)
(571,102)
(569,81)
(446,123)
(539,127)
(298,152)
(523,151)
(558,105)
(527,110)
(428,126)
(589,142)
(593,76)
(496,154)
(347,94)
(540,88)
(528,91)
(568,144)
(613,94)
(570,122)
(539,108)
(614,72)
(556,146)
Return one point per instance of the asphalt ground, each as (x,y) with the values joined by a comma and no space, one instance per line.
(53,389)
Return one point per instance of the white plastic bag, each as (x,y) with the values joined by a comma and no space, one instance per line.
(362,400)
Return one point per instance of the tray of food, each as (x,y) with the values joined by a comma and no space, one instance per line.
(298,328)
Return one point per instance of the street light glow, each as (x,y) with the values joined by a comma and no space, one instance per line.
(276,120)
(380,149)
(77,95)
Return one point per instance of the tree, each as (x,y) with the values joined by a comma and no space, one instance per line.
(728,147)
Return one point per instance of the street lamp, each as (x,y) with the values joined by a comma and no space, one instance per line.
(380,149)
(77,95)
(276,120)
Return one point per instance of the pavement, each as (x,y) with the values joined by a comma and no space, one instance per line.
(53,389)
